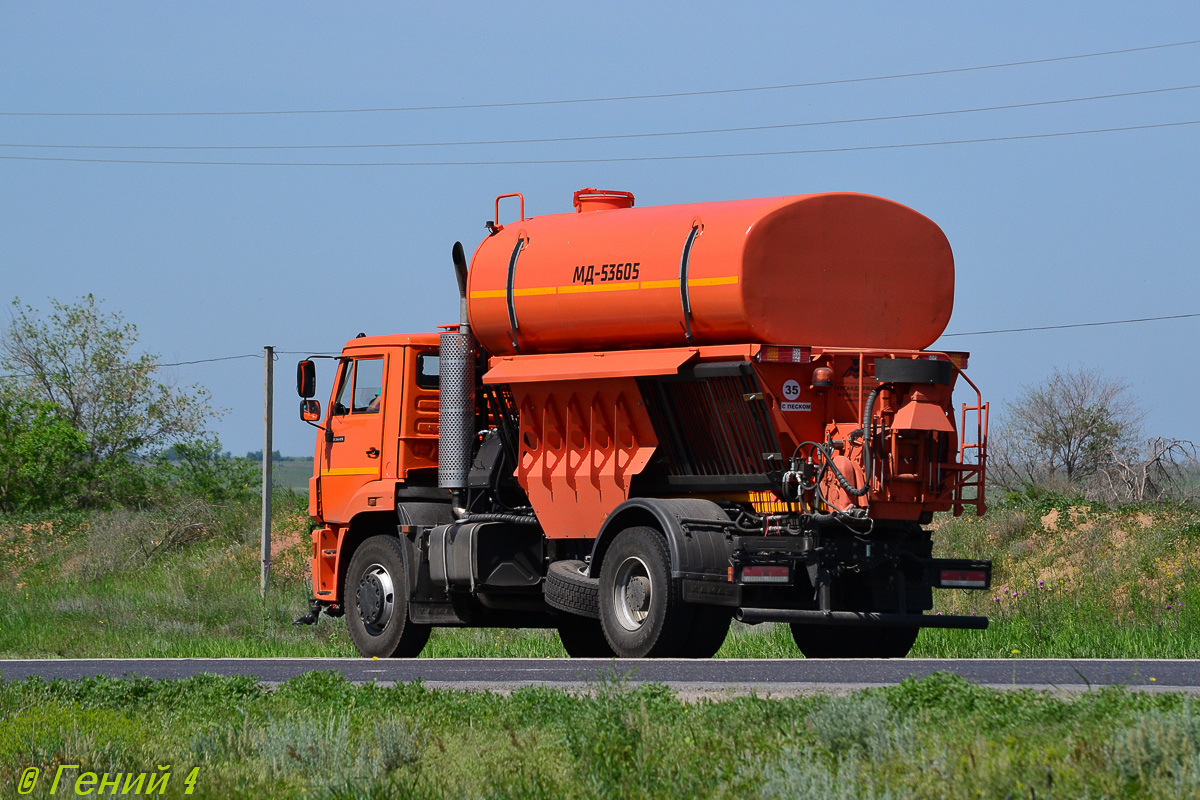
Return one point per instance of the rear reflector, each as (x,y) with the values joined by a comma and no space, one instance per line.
(964,579)
(765,574)
(785,355)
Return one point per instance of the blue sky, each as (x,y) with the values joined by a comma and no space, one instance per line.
(213,261)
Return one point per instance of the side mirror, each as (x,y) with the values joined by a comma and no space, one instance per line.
(306,379)
(310,410)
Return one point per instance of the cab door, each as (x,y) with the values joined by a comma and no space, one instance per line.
(353,453)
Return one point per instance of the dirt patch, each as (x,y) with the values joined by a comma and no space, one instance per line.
(1050,520)
(291,548)
(73,564)
(1119,538)
(1061,571)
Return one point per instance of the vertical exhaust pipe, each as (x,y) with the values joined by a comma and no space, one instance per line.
(456,406)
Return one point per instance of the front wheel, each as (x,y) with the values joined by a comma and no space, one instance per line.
(377,602)
(641,607)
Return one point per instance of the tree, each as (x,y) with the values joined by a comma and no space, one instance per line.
(1064,431)
(1167,469)
(41,456)
(78,360)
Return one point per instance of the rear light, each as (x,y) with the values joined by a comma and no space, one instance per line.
(959,359)
(964,579)
(771,573)
(785,355)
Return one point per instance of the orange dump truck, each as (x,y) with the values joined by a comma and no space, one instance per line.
(648,422)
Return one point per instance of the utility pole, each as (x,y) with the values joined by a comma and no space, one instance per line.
(267,459)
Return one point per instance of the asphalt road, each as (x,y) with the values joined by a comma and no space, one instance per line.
(689,677)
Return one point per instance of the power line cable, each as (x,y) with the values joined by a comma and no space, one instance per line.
(210,360)
(609,99)
(943,336)
(607,137)
(148,367)
(613,160)
(1073,325)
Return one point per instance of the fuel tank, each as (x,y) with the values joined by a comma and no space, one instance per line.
(834,269)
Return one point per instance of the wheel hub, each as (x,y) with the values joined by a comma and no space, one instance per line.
(370,598)
(376,599)
(634,593)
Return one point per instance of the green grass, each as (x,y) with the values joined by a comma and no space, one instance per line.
(318,736)
(1113,584)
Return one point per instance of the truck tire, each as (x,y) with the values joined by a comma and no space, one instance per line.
(845,641)
(376,602)
(568,589)
(584,638)
(710,626)
(642,609)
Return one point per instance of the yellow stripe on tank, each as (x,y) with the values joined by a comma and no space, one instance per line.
(625,286)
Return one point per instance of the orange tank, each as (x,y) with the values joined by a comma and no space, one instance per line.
(833,270)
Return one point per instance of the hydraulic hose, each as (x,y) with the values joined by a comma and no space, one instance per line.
(512,519)
(868,410)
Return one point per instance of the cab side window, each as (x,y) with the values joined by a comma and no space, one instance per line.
(428,370)
(360,386)
(345,381)
(368,385)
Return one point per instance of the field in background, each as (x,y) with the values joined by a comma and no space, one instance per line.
(318,736)
(1070,581)
(291,473)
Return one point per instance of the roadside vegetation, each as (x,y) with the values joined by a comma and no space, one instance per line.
(318,736)
(1072,579)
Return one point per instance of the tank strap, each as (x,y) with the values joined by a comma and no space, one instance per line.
(512,308)
(683,284)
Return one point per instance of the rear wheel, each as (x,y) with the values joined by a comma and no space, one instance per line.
(710,626)
(845,641)
(377,602)
(584,638)
(641,607)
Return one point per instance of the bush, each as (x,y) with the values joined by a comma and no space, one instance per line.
(1160,746)
(122,539)
(42,458)
(861,721)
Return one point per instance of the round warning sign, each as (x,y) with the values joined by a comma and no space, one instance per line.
(791,394)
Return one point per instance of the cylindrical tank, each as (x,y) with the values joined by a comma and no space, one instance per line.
(833,270)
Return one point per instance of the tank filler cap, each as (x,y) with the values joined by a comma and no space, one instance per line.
(601,200)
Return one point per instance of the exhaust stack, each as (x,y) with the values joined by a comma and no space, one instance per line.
(456,406)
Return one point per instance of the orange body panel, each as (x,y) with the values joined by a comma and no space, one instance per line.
(326,550)
(837,269)
(581,441)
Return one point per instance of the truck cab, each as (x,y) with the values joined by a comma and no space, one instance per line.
(377,441)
